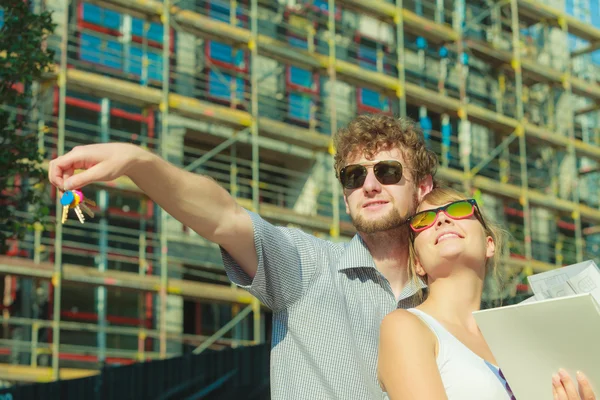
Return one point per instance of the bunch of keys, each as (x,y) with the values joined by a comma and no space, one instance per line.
(74,199)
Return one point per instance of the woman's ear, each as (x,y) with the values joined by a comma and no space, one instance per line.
(419,268)
(490,247)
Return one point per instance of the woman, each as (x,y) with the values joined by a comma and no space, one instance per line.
(436,351)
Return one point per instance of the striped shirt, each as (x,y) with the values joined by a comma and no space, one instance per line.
(328,301)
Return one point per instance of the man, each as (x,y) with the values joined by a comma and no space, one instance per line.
(328,299)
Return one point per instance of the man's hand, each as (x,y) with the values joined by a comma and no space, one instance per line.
(563,387)
(101,162)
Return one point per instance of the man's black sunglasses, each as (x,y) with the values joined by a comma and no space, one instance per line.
(387,172)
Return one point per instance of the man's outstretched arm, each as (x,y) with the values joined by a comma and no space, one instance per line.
(196,201)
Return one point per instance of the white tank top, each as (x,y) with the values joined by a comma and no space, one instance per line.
(465,375)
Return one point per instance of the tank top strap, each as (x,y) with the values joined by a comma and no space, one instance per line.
(432,323)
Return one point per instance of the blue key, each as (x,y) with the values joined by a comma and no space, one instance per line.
(67,198)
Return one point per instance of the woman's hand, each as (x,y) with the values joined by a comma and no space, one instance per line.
(563,387)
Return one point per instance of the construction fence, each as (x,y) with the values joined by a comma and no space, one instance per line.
(227,374)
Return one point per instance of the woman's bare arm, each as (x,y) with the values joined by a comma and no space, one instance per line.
(407,365)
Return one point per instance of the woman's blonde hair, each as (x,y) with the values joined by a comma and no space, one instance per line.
(443,195)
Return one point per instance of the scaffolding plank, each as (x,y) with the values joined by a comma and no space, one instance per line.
(532,10)
(124,280)
(288,216)
(497,122)
(534,70)
(536,265)
(194,290)
(536,198)
(536,12)
(142,9)
(413,23)
(26,373)
(132,93)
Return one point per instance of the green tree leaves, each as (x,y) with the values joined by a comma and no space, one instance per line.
(23,60)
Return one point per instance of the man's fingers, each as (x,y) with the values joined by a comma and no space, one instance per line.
(56,174)
(585,389)
(78,158)
(94,174)
(62,168)
(59,176)
(65,176)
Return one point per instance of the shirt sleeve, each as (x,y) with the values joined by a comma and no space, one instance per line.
(287,262)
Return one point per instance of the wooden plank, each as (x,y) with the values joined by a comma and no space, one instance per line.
(125,280)
(536,11)
(26,373)
(533,70)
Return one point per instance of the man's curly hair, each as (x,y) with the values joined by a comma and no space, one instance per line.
(373,133)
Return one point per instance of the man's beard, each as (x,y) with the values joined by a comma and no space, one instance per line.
(393,220)
(390,222)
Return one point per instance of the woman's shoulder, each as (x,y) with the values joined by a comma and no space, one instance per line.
(405,321)
(404,338)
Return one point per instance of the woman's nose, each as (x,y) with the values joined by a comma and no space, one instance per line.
(442,218)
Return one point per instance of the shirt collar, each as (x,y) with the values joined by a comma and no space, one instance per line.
(412,288)
(357,255)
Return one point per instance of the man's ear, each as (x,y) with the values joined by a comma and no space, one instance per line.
(425,186)
(346,202)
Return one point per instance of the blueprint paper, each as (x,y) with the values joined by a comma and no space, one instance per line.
(541,284)
(532,341)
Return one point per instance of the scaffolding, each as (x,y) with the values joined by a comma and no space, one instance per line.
(248,92)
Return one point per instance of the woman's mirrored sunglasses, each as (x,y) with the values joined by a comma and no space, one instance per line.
(461,209)
(387,172)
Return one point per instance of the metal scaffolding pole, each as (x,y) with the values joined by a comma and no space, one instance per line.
(334,231)
(464,127)
(164,132)
(399,21)
(142,266)
(60,150)
(235,308)
(102,259)
(38,116)
(520,131)
(225,328)
(252,45)
(233,172)
(570,148)
(215,150)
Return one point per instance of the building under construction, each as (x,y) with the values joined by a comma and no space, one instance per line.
(248,92)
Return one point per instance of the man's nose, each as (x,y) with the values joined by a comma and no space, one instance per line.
(371,183)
